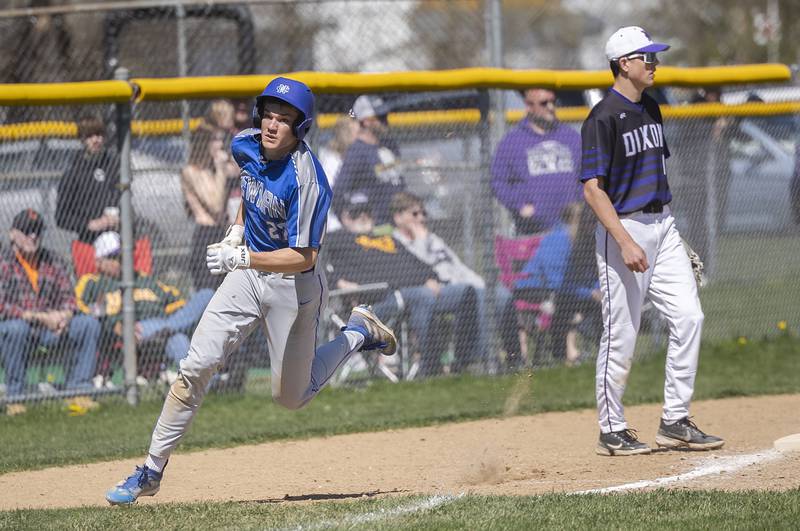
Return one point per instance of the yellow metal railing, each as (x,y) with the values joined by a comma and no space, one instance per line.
(20,94)
(354,83)
(55,129)
(151,89)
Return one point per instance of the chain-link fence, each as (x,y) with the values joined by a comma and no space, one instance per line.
(429,225)
(56,41)
(68,43)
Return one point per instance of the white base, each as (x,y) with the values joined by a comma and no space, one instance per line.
(790,443)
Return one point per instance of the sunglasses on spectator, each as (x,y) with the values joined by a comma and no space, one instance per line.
(359,211)
(542,103)
(649,58)
(33,235)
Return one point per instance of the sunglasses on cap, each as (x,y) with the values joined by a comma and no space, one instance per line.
(649,58)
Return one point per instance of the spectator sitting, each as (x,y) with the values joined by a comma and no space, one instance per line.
(331,156)
(88,198)
(242,115)
(555,271)
(160,308)
(207,181)
(536,165)
(37,307)
(366,259)
(411,230)
(577,302)
(232,116)
(220,115)
(370,164)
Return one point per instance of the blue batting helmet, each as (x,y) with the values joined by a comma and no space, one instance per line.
(293,92)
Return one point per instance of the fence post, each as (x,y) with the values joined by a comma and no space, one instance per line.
(486,234)
(493,25)
(126,234)
(494,51)
(712,216)
(492,108)
(180,20)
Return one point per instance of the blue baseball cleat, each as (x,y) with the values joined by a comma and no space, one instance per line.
(377,336)
(143,482)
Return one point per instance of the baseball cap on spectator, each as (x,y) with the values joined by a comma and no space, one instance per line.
(107,244)
(368,106)
(358,203)
(28,221)
(631,39)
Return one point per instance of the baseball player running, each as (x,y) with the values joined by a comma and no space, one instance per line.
(639,251)
(270,258)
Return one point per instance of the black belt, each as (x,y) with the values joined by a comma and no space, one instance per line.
(653,208)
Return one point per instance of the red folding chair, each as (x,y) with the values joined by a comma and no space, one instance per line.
(511,255)
(83,257)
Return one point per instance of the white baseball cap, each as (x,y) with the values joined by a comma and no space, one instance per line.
(107,244)
(367,106)
(631,39)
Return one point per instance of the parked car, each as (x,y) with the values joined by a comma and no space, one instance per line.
(762,165)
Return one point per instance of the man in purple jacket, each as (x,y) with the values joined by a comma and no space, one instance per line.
(536,165)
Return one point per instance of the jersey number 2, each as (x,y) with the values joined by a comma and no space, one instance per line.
(277,231)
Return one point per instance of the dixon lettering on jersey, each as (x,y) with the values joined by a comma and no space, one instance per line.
(642,138)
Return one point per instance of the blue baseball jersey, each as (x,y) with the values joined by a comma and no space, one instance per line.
(285,201)
(623,142)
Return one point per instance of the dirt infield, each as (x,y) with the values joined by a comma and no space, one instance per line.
(551,452)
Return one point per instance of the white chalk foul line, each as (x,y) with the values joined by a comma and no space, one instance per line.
(710,466)
(425,504)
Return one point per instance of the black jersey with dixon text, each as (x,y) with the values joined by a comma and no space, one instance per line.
(623,142)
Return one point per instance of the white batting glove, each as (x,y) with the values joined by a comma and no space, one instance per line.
(234,235)
(222,258)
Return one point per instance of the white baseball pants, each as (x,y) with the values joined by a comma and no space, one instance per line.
(670,285)
(289,306)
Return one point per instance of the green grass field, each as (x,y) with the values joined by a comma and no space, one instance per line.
(49,437)
(757,285)
(652,510)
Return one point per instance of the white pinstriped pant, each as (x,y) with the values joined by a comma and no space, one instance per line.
(289,307)
(670,285)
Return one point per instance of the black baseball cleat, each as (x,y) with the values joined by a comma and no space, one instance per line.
(624,442)
(685,434)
